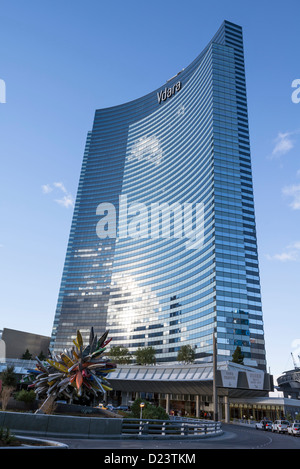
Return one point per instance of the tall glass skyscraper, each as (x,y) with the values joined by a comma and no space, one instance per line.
(162,249)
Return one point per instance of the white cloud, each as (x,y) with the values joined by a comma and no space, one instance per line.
(283,144)
(66,201)
(294,192)
(60,185)
(295,245)
(291,253)
(283,257)
(46,188)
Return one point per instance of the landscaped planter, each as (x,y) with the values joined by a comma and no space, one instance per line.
(24,442)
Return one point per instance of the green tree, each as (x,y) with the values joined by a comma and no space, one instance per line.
(8,377)
(120,355)
(41,356)
(149,411)
(9,382)
(145,356)
(186,354)
(237,356)
(27,355)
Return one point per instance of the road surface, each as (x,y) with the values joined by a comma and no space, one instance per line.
(234,437)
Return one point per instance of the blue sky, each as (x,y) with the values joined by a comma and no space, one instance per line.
(61,60)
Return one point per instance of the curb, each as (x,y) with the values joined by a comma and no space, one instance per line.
(44,444)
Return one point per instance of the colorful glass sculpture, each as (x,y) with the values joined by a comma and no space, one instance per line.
(76,372)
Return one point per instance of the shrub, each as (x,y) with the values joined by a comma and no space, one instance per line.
(6,438)
(28,397)
(149,411)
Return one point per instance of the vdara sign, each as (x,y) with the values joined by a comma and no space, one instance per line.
(168,92)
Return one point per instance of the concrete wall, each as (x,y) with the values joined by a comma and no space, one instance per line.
(17,342)
(60,425)
(2,349)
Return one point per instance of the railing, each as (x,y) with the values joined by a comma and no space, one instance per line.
(170,427)
(19,364)
(244,422)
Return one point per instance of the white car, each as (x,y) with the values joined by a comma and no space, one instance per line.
(294,429)
(280,426)
(264,425)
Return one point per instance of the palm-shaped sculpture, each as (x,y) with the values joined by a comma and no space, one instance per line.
(76,372)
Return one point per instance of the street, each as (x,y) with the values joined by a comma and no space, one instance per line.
(234,437)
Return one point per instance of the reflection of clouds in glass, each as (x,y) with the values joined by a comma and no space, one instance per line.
(181,110)
(147,148)
(130,304)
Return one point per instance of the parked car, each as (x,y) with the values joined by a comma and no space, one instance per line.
(280,426)
(294,429)
(111,408)
(101,406)
(264,425)
(123,407)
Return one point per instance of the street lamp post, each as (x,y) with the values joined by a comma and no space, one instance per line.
(215,393)
(142,405)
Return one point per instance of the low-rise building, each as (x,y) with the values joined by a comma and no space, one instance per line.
(187,389)
(14,343)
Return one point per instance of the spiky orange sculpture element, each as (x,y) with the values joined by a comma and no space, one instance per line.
(77,372)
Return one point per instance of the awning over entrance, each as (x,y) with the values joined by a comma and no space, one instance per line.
(232,380)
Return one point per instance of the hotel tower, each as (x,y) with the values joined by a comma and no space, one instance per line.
(162,248)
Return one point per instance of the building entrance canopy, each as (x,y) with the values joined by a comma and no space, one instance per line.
(232,380)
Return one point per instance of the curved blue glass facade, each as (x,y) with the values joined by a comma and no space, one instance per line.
(162,249)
